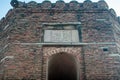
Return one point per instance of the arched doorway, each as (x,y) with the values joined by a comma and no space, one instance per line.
(62,66)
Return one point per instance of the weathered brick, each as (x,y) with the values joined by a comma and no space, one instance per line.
(23,39)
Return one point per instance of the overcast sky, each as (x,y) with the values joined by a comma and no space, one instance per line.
(5,5)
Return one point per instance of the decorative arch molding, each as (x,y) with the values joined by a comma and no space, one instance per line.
(50,51)
(74,51)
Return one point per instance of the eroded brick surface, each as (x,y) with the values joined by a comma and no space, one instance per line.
(21,31)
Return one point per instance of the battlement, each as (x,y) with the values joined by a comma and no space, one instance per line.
(72,5)
(61,6)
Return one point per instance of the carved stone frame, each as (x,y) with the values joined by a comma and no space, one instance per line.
(62,26)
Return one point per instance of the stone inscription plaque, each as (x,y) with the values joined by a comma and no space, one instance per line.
(61,36)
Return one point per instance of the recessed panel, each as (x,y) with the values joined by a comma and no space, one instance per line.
(61,36)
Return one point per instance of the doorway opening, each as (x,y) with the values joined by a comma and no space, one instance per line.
(62,66)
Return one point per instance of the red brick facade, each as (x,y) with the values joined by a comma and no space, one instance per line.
(25,56)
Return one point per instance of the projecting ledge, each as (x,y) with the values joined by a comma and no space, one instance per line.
(62,23)
(65,43)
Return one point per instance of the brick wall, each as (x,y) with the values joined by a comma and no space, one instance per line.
(21,31)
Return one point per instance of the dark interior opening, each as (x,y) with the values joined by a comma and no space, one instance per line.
(62,67)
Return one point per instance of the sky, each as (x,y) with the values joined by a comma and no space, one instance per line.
(5,5)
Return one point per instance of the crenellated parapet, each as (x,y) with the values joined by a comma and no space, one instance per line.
(46,5)
(60,4)
(112,11)
(102,4)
